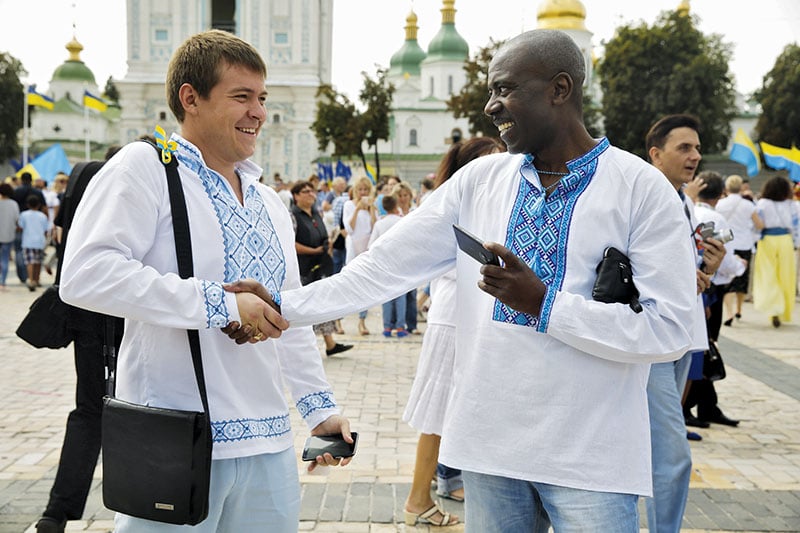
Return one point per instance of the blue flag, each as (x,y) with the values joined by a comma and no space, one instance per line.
(343,170)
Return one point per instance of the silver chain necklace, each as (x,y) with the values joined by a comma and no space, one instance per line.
(551,173)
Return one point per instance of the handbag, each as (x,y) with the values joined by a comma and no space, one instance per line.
(614,282)
(45,324)
(157,461)
(713,366)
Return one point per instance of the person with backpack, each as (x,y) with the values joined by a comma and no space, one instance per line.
(81,446)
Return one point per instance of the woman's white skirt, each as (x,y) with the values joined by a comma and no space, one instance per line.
(433,383)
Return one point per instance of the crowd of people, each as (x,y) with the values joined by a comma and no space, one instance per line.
(522,351)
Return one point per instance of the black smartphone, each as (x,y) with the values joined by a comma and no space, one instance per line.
(473,247)
(332,444)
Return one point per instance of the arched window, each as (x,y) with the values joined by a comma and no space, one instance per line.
(412,137)
(276,118)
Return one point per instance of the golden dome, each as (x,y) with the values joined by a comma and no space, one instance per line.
(561,15)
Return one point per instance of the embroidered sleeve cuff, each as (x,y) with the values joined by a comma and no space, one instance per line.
(216,311)
(313,403)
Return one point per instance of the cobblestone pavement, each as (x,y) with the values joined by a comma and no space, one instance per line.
(744,479)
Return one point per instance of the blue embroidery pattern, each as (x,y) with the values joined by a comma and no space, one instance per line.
(538,228)
(216,311)
(249,428)
(315,401)
(252,247)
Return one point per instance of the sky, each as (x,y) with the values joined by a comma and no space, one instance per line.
(367,32)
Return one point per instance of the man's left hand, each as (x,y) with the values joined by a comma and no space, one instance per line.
(331,426)
(713,252)
(514,284)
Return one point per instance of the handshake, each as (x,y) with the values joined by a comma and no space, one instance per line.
(260,315)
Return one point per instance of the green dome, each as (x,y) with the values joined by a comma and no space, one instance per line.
(406,61)
(448,45)
(73,69)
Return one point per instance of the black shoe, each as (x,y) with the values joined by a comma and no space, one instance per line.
(738,316)
(728,322)
(338,348)
(691,435)
(695,422)
(722,419)
(776,322)
(50,525)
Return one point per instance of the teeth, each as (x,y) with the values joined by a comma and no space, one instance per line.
(504,126)
(248,130)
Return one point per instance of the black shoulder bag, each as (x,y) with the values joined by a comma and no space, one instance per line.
(156,461)
(614,282)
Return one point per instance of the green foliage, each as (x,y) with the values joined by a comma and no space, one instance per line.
(111,92)
(338,122)
(11,102)
(779,96)
(592,116)
(376,95)
(671,67)
(472,98)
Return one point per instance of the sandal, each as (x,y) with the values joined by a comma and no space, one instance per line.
(426,517)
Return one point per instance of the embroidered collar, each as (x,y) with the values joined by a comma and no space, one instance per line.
(577,167)
(189,155)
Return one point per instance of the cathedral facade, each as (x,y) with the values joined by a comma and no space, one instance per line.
(293,36)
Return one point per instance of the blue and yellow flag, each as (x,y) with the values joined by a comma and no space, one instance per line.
(93,102)
(371,174)
(745,152)
(39,99)
(782,159)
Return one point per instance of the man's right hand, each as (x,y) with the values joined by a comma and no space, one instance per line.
(260,315)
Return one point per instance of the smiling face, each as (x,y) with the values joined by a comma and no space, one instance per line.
(519,101)
(679,157)
(225,125)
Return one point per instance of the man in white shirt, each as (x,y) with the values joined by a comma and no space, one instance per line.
(120,260)
(548,419)
(673,146)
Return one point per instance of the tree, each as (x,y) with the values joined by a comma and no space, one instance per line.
(337,123)
(340,123)
(472,98)
(11,102)
(779,96)
(377,97)
(111,92)
(671,67)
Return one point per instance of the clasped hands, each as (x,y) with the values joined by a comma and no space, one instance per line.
(260,316)
(514,284)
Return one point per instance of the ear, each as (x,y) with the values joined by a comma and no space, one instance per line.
(654,153)
(189,98)
(562,88)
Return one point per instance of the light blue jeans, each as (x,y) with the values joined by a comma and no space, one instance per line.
(394,313)
(248,495)
(5,255)
(671,455)
(503,505)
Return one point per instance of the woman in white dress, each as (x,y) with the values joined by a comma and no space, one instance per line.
(427,402)
(358,216)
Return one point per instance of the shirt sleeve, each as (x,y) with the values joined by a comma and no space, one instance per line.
(120,255)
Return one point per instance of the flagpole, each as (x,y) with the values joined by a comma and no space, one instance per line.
(25,126)
(86,131)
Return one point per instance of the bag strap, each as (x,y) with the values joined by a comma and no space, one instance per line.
(183,250)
